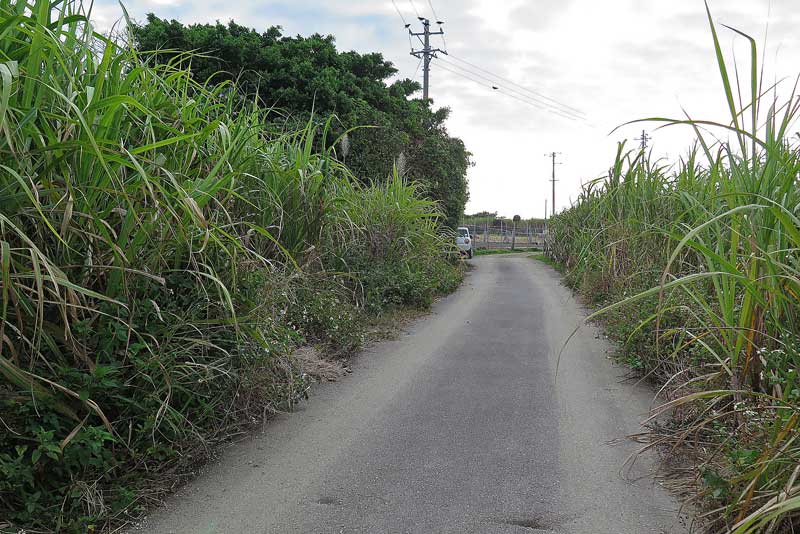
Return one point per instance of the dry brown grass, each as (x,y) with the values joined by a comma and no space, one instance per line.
(313,363)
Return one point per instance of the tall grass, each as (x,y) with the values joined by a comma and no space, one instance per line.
(162,251)
(706,252)
(397,247)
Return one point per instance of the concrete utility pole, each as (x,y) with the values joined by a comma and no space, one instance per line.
(516,219)
(427,52)
(553,179)
(644,139)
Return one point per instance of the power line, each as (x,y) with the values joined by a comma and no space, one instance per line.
(425,55)
(465,76)
(433,11)
(414,6)
(438,21)
(406,24)
(529,96)
(502,91)
(457,73)
(552,111)
(560,110)
(540,95)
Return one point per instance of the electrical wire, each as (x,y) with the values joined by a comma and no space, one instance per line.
(436,17)
(413,5)
(406,24)
(523,95)
(502,91)
(519,94)
(529,96)
(511,82)
(399,13)
(554,112)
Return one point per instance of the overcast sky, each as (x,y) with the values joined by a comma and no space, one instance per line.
(616,60)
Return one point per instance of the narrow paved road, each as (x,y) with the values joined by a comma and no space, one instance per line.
(460,426)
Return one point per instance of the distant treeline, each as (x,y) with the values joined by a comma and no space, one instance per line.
(493,219)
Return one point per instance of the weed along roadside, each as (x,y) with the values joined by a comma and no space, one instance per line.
(165,251)
(693,270)
(199,222)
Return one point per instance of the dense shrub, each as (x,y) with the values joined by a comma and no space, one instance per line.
(307,76)
(697,270)
(395,245)
(162,254)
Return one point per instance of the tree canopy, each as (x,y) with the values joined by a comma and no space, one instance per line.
(298,76)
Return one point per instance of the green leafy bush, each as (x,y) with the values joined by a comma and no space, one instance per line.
(395,245)
(308,76)
(161,257)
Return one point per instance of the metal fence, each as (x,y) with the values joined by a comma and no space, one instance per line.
(501,235)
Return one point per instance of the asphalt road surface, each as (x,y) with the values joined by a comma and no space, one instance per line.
(459,426)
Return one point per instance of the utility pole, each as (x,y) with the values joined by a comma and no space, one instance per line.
(553,179)
(545,209)
(644,139)
(427,52)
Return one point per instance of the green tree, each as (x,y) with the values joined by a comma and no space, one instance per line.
(300,76)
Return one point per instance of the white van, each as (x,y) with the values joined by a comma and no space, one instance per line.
(464,241)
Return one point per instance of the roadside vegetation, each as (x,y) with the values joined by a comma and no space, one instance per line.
(165,248)
(304,77)
(703,256)
(548,260)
